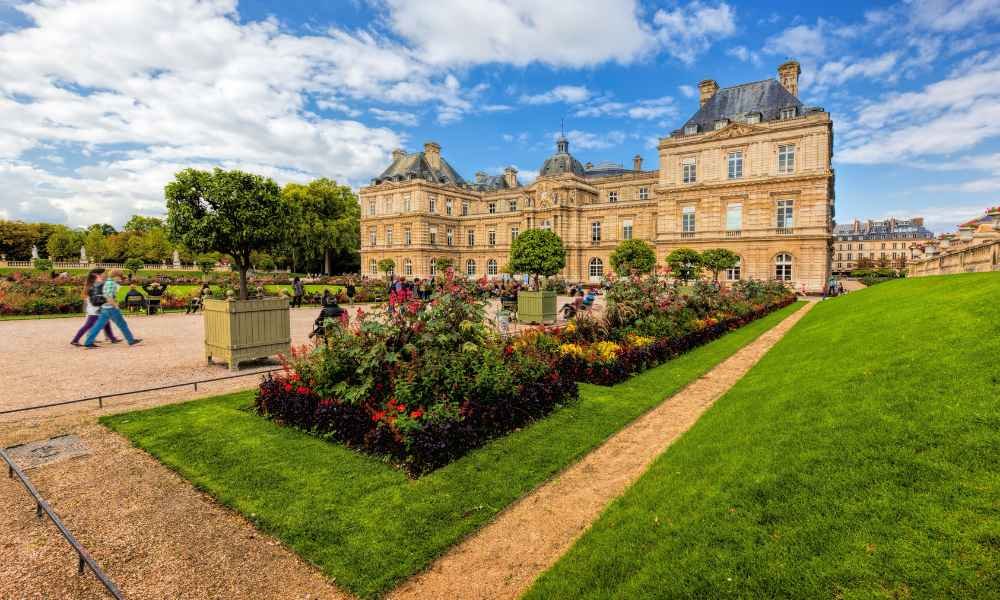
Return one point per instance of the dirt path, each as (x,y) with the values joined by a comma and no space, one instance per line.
(505,557)
(150,530)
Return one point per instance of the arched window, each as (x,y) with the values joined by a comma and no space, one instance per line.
(373,266)
(407,267)
(491,267)
(470,267)
(596,268)
(734,273)
(783,267)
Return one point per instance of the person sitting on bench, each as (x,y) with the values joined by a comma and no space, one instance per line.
(154,291)
(134,300)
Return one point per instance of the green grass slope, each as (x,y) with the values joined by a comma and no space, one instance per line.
(860,458)
(364,522)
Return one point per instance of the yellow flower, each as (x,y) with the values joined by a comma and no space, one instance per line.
(639,341)
(574,350)
(570,327)
(606,351)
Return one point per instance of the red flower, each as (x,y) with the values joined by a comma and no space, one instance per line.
(401,408)
(288,387)
(378,416)
(416,414)
(302,390)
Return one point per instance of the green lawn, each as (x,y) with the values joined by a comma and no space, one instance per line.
(361,520)
(860,458)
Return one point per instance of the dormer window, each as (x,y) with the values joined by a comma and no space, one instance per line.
(691,129)
(721,123)
(788,113)
(753,117)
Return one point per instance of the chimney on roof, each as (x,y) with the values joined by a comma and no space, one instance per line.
(918,221)
(510,177)
(481,176)
(397,154)
(432,154)
(637,163)
(788,75)
(588,166)
(707,88)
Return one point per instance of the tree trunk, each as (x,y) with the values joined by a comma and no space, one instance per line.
(243,282)
(327,262)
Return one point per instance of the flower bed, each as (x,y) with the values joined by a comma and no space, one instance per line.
(421,386)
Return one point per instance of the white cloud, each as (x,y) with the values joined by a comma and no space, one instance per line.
(689,91)
(744,54)
(941,218)
(569,94)
(800,41)
(394,116)
(954,15)
(521,32)
(687,31)
(837,72)
(653,108)
(584,140)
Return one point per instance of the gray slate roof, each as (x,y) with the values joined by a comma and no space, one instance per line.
(766,97)
(415,166)
(561,162)
(489,183)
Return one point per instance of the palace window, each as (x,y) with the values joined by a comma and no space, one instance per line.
(783,267)
(733,274)
(372,237)
(407,267)
(691,129)
(596,268)
(373,266)
(734,216)
(432,202)
(407,236)
(388,235)
(627,229)
(690,171)
(433,267)
(546,225)
(735,165)
(388,204)
(788,113)
(595,231)
(371,207)
(450,236)
(644,193)
(753,118)
(721,123)
(470,267)
(687,219)
(447,207)
(785,214)
(432,234)
(492,208)
(512,205)
(491,267)
(513,234)
(786,158)
(471,237)
(613,196)
(491,237)
(465,208)
(406,203)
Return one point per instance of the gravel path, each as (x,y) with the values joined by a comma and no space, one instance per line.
(505,557)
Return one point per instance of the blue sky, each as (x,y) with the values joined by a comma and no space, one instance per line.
(102,101)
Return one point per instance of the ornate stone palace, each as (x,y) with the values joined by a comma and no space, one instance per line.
(974,249)
(749,171)
(886,242)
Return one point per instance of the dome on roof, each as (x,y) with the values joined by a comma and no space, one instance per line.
(561,162)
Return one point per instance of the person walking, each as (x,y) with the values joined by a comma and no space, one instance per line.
(109,311)
(351,291)
(298,290)
(93,278)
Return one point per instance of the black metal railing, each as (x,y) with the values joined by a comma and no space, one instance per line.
(101,398)
(42,508)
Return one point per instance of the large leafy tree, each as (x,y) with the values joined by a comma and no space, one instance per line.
(17,238)
(141,224)
(325,223)
(537,252)
(96,244)
(227,211)
(64,244)
(719,259)
(685,263)
(633,256)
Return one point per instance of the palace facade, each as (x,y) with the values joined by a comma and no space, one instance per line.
(974,249)
(749,171)
(884,242)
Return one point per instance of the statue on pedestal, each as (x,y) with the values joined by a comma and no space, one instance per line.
(34,252)
(83,255)
(177,259)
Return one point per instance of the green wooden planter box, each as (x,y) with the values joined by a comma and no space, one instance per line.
(242,330)
(536,307)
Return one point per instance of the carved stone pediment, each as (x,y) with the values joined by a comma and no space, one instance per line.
(733,130)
